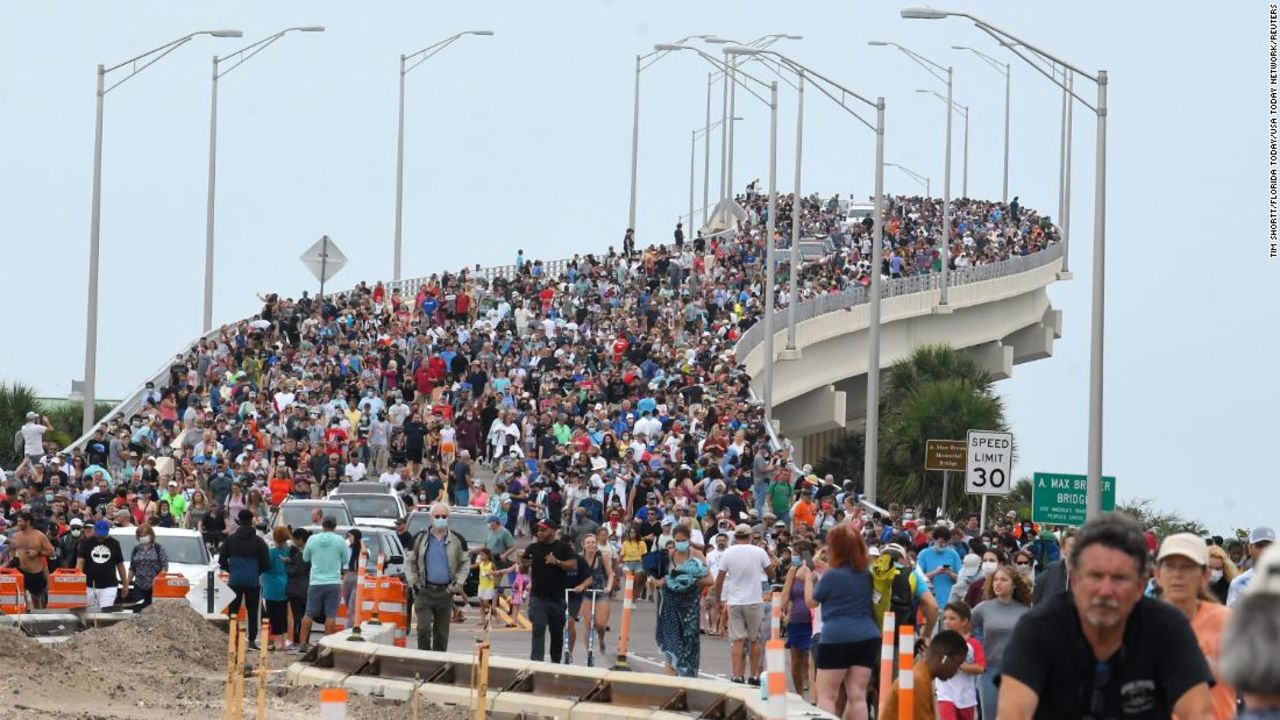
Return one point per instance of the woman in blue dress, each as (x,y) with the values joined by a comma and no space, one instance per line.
(681,588)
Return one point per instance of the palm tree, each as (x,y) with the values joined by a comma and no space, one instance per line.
(934,362)
(933,409)
(16,400)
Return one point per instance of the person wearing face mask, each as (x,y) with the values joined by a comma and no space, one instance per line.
(940,563)
(147,559)
(1221,572)
(798,614)
(971,571)
(436,569)
(69,545)
(681,587)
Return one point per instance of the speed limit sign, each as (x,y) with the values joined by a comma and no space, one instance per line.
(989,462)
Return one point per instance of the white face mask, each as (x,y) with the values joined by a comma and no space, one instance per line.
(988,568)
(1215,576)
(144,539)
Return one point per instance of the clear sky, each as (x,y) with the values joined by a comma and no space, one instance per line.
(522,140)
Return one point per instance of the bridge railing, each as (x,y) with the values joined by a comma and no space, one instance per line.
(858,295)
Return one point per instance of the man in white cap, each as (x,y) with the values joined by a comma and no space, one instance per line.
(744,572)
(32,433)
(1259,540)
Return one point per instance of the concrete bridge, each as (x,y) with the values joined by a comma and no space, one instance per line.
(1000,314)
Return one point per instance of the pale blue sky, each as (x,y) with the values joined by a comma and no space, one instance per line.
(523,140)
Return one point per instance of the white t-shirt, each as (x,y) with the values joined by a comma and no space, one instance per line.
(33,438)
(744,568)
(355,471)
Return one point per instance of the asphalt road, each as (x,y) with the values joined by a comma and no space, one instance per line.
(643,655)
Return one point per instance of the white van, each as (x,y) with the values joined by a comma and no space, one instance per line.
(858,212)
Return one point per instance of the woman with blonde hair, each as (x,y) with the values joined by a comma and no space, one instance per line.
(1221,572)
(1007,598)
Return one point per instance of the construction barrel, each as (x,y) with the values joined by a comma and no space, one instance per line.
(67,589)
(13,592)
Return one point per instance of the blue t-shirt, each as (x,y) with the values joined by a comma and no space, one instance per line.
(931,559)
(845,595)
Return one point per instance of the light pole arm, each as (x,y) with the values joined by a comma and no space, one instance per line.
(249,51)
(159,53)
(657,55)
(930,66)
(999,66)
(722,66)
(807,71)
(429,51)
(1052,76)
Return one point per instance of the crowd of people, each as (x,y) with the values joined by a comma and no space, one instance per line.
(608,404)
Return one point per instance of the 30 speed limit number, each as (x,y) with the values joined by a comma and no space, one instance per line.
(989,463)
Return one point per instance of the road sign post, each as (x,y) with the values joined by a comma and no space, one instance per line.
(324,260)
(1061,498)
(944,455)
(988,465)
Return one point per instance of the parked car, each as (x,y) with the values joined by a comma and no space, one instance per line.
(815,247)
(362,487)
(296,512)
(378,509)
(189,557)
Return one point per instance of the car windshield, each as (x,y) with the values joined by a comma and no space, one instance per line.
(300,515)
(417,522)
(473,527)
(181,549)
(379,506)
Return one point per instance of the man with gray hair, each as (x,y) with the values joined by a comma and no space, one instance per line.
(1103,650)
(436,570)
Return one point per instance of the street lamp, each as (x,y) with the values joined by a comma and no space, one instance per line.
(964,110)
(95,214)
(1093,493)
(642,62)
(421,56)
(923,180)
(1005,70)
(770,244)
(727,133)
(241,56)
(870,458)
(938,71)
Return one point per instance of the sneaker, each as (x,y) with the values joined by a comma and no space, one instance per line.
(568,659)
(737,679)
(302,648)
(754,682)
(253,645)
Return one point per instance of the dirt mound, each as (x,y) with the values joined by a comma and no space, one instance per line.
(164,638)
(15,645)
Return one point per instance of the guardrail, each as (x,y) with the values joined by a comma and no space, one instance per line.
(900,286)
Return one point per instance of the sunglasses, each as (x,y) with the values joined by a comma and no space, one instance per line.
(1022,564)
(439,517)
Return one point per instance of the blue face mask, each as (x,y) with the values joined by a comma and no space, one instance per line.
(440,523)
(795,561)
(682,546)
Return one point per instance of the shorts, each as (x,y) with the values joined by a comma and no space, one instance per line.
(745,622)
(575,605)
(814,643)
(842,656)
(322,601)
(799,636)
(948,711)
(37,583)
(487,594)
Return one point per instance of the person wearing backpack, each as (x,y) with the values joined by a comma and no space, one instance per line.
(903,590)
(245,557)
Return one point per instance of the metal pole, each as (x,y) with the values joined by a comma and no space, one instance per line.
(793,280)
(1062,174)
(1093,495)
(706,160)
(964,190)
(395,272)
(1066,171)
(724,135)
(324,261)
(693,144)
(982,516)
(95,223)
(208,220)
(635,146)
(732,80)
(770,250)
(946,480)
(871,446)
(1008,78)
(946,197)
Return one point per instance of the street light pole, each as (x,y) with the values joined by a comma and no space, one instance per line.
(771,251)
(693,144)
(426,53)
(1004,69)
(914,175)
(87,418)
(791,352)
(242,55)
(1093,492)
(635,144)
(706,160)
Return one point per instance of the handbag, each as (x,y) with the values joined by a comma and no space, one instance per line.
(651,562)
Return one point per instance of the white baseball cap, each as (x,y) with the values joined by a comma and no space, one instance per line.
(1188,545)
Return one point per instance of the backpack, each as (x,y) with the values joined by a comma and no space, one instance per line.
(893,589)
(1045,550)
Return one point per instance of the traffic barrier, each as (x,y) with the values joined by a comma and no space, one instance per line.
(67,589)
(170,586)
(886,658)
(776,685)
(13,592)
(385,600)
(628,604)
(775,635)
(333,704)
(906,673)
(775,616)
(264,640)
